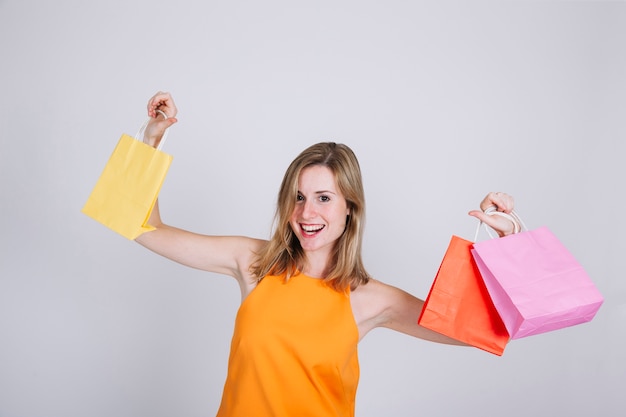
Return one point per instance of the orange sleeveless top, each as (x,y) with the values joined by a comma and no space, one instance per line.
(293,353)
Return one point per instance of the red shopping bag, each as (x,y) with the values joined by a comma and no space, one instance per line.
(458,304)
(535,283)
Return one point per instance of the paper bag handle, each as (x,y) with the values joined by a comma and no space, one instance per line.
(518,224)
(145,124)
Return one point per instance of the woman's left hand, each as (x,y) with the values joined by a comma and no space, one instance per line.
(503,203)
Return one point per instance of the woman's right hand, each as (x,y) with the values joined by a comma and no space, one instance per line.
(160,102)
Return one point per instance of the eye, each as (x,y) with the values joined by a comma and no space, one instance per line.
(299,197)
(324,198)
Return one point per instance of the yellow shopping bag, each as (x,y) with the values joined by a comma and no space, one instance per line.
(125,194)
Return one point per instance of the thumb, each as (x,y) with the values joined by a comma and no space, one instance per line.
(169,121)
(479,215)
(501,223)
(491,221)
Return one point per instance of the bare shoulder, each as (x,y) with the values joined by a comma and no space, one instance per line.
(371,304)
(377,304)
(242,250)
(376,291)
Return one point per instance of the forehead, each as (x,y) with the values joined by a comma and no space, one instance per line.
(317,178)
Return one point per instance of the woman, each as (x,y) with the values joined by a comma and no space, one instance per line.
(306,298)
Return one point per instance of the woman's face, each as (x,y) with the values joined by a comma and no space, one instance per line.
(319,216)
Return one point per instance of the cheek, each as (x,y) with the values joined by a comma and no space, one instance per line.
(343,213)
(294,214)
(293,220)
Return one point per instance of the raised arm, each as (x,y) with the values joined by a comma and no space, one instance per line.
(228,255)
(376,304)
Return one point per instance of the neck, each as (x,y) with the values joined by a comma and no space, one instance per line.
(315,269)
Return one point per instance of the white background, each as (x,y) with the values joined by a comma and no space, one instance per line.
(442,102)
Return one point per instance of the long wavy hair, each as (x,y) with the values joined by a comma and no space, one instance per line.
(283,253)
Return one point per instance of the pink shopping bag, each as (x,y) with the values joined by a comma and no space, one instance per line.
(535,283)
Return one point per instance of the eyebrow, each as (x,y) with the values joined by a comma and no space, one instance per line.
(321,192)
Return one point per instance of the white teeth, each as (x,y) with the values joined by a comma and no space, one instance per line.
(312,228)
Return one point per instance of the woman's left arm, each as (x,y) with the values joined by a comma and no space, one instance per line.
(377,304)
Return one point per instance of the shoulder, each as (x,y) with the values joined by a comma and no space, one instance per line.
(371,303)
(375,290)
(377,304)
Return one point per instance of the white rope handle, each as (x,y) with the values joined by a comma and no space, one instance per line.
(139,134)
(518,224)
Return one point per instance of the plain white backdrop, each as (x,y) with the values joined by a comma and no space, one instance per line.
(442,102)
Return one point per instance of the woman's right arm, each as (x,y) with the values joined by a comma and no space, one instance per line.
(228,255)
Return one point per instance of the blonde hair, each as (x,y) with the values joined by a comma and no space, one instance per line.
(283,253)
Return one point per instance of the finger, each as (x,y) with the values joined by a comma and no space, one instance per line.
(502,201)
(162,101)
(166,123)
(502,225)
(153,102)
(479,215)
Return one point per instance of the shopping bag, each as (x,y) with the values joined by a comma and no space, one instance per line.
(127,189)
(458,304)
(535,283)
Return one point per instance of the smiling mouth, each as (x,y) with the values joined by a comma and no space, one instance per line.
(311,229)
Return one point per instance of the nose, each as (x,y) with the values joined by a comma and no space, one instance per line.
(308,210)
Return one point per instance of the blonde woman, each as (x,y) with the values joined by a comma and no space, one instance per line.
(306,298)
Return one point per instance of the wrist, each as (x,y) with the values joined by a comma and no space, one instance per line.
(154,140)
(151,141)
